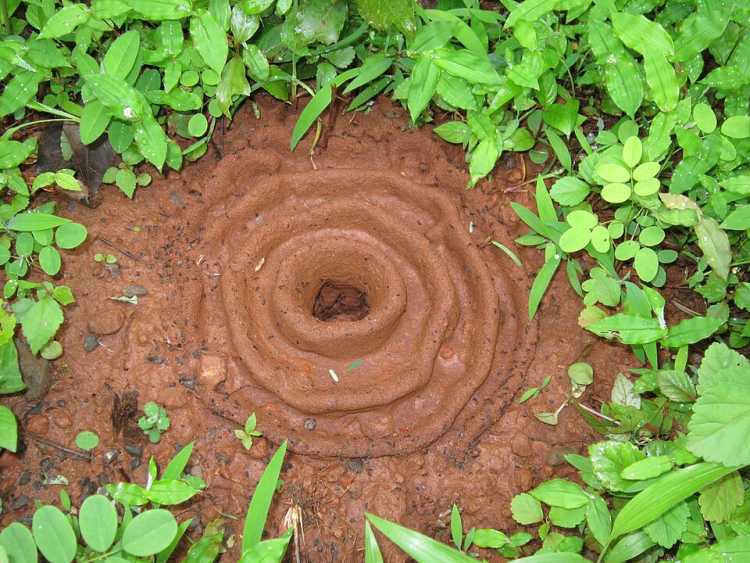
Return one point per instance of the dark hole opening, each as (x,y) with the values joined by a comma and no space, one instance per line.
(340,301)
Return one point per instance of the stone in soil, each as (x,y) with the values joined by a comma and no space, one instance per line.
(35,371)
(90,342)
(135,290)
(103,322)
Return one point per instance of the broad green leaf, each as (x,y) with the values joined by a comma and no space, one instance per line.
(158,10)
(317,104)
(714,243)
(482,160)
(676,386)
(560,148)
(398,14)
(119,59)
(19,543)
(609,459)
(424,81)
(373,67)
(54,535)
(629,547)
(164,555)
(690,331)
(720,499)
(738,219)
(97,519)
(598,519)
(700,29)
(575,239)
(151,140)
(255,7)
(11,382)
(64,21)
(526,509)
(530,11)
(704,117)
(664,494)
(467,65)
(40,322)
(372,551)
(149,533)
(662,79)
(646,264)
(569,191)
(121,99)
(233,83)
(737,127)
(669,527)
(647,468)
(561,493)
(632,151)
(420,547)
(13,153)
(210,40)
(169,492)
(630,329)
(8,430)
(18,92)
(94,121)
(272,550)
(257,511)
(642,34)
(613,173)
(561,557)
(50,261)
(70,235)
(457,527)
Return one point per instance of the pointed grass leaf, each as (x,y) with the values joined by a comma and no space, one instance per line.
(663,81)
(149,533)
(119,59)
(560,149)
(541,283)
(158,10)
(642,34)
(98,522)
(714,243)
(257,511)
(317,104)
(372,551)
(629,547)
(94,121)
(27,222)
(664,494)
(54,535)
(372,68)
(418,546)
(177,465)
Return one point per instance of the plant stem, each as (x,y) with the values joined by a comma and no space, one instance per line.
(12,131)
(4,16)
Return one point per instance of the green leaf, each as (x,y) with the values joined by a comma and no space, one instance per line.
(8,430)
(64,21)
(613,173)
(70,235)
(662,79)
(151,140)
(616,193)
(646,264)
(669,527)
(198,125)
(257,511)
(630,329)
(317,104)
(457,528)
(629,547)
(40,322)
(598,519)
(575,239)
(87,441)
(720,499)
(255,7)
(738,219)
(609,459)
(541,283)
(149,533)
(97,519)
(642,35)
(690,331)
(210,40)
(18,92)
(371,68)
(120,58)
(424,81)
(117,96)
(530,11)
(569,191)
(19,543)
(737,127)
(704,117)
(632,151)
(372,551)
(467,65)
(157,10)
(171,491)
(647,468)
(561,493)
(178,463)
(714,243)
(397,13)
(50,261)
(566,517)
(256,62)
(420,547)
(560,148)
(526,509)
(13,153)
(676,386)
(664,494)
(54,535)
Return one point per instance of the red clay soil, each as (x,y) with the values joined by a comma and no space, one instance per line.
(351,299)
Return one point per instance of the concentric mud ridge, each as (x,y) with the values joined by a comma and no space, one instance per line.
(354,312)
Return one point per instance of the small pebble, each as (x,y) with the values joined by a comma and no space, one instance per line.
(135,291)
(135,463)
(355,465)
(25,478)
(310,424)
(114,270)
(111,455)
(135,451)
(47,464)
(187,381)
(90,343)
(61,403)
(158,360)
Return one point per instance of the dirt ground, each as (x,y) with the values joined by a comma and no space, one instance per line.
(392,436)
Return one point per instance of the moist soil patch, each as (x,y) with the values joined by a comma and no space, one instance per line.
(352,299)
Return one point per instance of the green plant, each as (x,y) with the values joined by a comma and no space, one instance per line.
(154,421)
(249,432)
(97,531)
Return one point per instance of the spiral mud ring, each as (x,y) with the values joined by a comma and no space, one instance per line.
(355,313)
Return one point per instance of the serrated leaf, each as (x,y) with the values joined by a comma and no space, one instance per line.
(526,509)
(720,499)
(40,322)
(669,527)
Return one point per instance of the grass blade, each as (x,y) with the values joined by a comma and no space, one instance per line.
(372,551)
(257,512)
(319,102)
(541,283)
(418,546)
